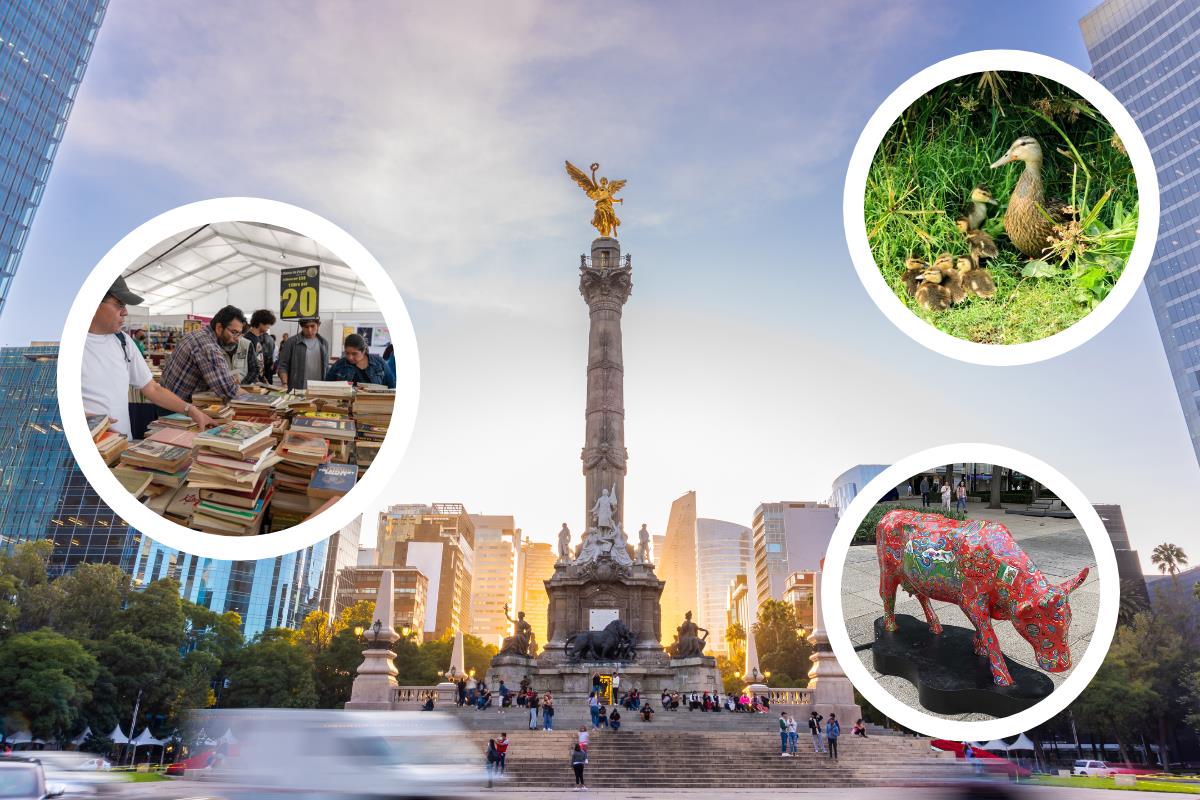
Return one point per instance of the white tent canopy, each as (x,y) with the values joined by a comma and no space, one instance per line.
(83,737)
(1023,742)
(118,736)
(200,270)
(995,744)
(146,738)
(228,738)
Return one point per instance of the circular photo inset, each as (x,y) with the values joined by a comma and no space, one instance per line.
(238,379)
(1003,206)
(971,593)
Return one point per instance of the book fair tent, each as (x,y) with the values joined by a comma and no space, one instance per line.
(246,264)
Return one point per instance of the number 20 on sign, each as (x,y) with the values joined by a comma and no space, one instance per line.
(299,292)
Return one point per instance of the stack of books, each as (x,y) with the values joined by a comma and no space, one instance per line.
(135,481)
(333,397)
(176,505)
(300,454)
(332,481)
(372,414)
(110,443)
(210,403)
(231,471)
(167,464)
(172,422)
(337,428)
(269,408)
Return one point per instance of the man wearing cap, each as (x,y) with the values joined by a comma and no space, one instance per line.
(112,363)
(305,357)
(199,362)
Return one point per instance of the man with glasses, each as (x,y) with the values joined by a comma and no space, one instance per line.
(112,363)
(199,361)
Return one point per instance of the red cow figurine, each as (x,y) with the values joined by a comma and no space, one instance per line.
(977,566)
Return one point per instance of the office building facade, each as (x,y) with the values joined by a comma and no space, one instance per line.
(847,485)
(788,537)
(1144,52)
(537,567)
(1129,566)
(409,595)
(44,52)
(341,554)
(439,540)
(494,579)
(724,550)
(677,565)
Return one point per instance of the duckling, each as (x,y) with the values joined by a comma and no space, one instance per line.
(975,279)
(982,245)
(1024,221)
(976,210)
(913,268)
(951,281)
(930,294)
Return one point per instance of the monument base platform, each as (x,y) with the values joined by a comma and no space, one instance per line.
(573,681)
(949,677)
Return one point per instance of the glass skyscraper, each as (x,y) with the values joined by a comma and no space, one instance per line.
(1147,53)
(42,492)
(44,50)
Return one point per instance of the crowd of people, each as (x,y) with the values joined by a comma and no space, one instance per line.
(705,701)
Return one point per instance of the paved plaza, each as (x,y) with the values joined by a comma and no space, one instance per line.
(1058,547)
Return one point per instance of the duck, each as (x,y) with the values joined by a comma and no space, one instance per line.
(982,245)
(975,279)
(976,210)
(930,294)
(950,280)
(914,268)
(1027,227)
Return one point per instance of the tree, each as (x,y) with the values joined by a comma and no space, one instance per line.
(997,487)
(735,638)
(316,632)
(48,680)
(133,666)
(1131,603)
(1169,558)
(91,600)
(156,613)
(434,658)
(731,674)
(781,650)
(271,672)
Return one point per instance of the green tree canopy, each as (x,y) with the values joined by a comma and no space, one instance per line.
(781,650)
(271,672)
(47,681)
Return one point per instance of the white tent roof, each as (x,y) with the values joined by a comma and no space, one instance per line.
(228,738)
(146,738)
(1023,742)
(118,736)
(995,744)
(20,737)
(225,259)
(83,737)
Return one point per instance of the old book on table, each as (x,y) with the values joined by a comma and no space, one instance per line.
(329,427)
(97,424)
(333,480)
(234,436)
(135,481)
(303,448)
(180,437)
(328,389)
(111,444)
(230,497)
(174,421)
(157,455)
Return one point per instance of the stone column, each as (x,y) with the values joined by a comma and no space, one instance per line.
(831,689)
(605,283)
(375,686)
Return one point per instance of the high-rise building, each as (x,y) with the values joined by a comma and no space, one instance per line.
(44,51)
(493,582)
(269,593)
(439,540)
(788,537)
(724,550)
(43,494)
(1129,566)
(847,485)
(341,553)
(1144,51)
(537,567)
(409,593)
(677,564)
(798,593)
(658,543)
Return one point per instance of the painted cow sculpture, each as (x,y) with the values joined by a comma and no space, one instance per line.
(977,566)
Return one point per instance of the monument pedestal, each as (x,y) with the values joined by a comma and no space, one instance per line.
(510,668)
(696,674)
(949,677)
(375,685)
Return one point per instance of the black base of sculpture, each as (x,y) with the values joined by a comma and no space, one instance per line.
(949,677)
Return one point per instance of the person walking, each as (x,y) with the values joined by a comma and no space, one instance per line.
(548,712)
(962,496)
(582,738)
(493,758)
(814,728)
(533,711)
(502,752)
(945,503)
(924,491)
(594,710)
(578,759)
(793,735)
(783,735)
(832,731)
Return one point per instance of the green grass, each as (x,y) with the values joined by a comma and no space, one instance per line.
(1142,785)
(944,144)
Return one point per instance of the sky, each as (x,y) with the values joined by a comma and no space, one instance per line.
(756,367)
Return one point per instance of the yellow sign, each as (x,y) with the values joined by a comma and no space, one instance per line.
(606,690)
(299,292)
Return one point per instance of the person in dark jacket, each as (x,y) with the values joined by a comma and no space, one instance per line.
(304,357)
(358,366)
(578,759)
(260,365)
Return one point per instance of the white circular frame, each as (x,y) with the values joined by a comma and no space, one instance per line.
(893,307)
(70,364)
(914,718)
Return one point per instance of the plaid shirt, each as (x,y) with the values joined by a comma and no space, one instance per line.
(199,362)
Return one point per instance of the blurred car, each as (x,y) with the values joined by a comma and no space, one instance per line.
(343,754)
(98,764)
(1094,769)
(24,779)
(79,774)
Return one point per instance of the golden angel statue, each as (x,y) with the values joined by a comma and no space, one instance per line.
(603,192)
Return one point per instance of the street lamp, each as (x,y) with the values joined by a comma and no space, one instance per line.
(358,631)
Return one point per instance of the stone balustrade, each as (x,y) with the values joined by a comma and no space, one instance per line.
(790,697)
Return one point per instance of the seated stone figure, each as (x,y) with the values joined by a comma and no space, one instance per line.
(521,643)
(688,641)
